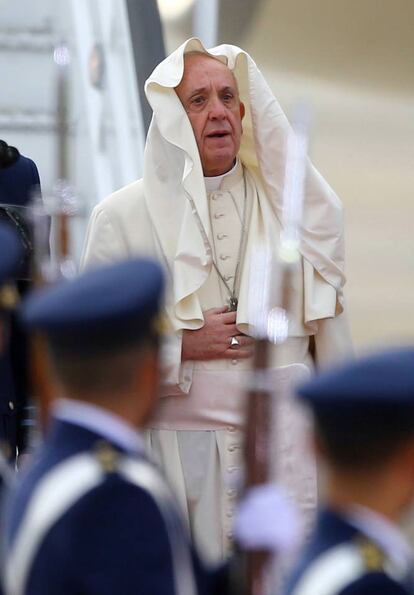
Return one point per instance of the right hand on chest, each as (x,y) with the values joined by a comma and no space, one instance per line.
(214,339)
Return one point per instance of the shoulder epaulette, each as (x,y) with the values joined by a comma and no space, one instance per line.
(372,556)
(340,566)
(107,456)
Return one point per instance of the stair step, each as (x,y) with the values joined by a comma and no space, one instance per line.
(29,121)
(40,40)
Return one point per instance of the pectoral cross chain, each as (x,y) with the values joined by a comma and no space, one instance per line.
(233,301)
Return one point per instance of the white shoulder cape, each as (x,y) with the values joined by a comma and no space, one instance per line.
(173,172)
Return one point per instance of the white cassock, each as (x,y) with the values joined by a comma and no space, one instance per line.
(196,433)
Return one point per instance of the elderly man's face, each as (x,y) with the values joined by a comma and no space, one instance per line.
(209,94)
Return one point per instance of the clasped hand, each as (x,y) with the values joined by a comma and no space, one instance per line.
(213,340)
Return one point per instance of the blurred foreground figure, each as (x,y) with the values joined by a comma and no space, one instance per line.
(364,431)
(11,254)
(212,190)
(93,515)
(19,181)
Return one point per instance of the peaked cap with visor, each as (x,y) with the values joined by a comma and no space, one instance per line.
(173,173)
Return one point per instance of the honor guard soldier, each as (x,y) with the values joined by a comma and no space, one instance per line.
(93,515)
(11,254)
(19,183)
(364,433)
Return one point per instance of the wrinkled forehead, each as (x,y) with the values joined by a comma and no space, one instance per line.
(199,66)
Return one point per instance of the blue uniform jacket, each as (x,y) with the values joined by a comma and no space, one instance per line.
(112,539)
(357,568)
(18,181)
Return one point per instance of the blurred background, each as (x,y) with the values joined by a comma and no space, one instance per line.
(353,60)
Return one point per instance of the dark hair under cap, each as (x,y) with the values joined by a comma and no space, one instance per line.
(102,310)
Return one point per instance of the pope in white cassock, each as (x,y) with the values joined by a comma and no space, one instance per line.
(212,190)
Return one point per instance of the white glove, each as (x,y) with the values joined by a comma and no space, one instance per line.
(267,519)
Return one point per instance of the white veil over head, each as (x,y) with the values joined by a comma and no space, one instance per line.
(173,172)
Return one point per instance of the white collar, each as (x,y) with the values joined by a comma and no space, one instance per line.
(383,532)
(100,420)
(213,182)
